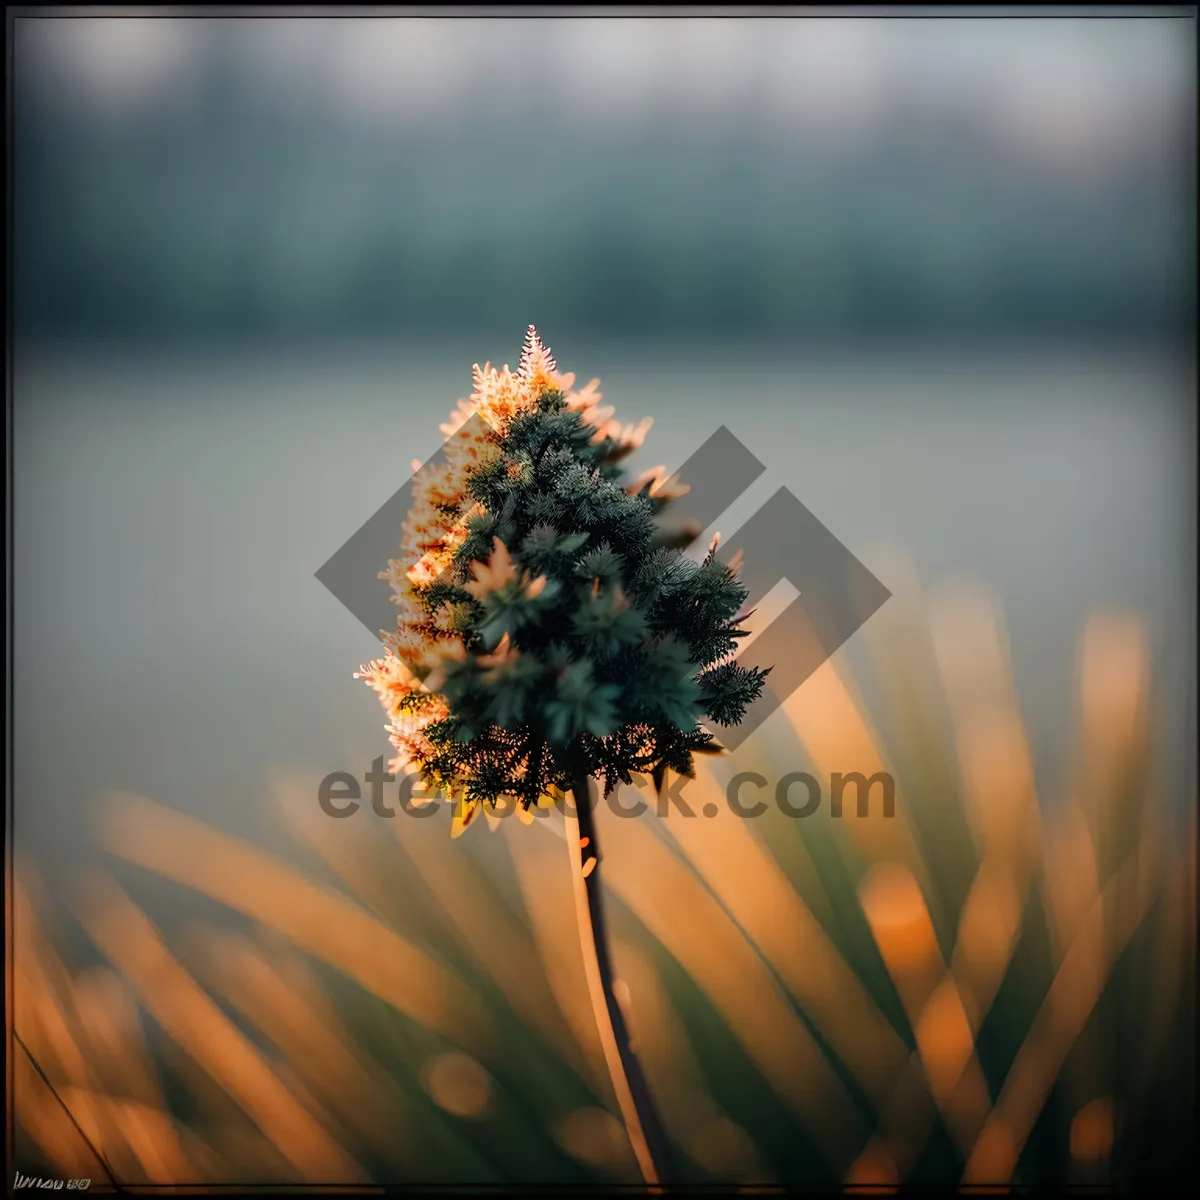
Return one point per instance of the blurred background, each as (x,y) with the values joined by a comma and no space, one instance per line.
(938,274)
(829,179)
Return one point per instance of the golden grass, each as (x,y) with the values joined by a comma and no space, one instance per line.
(748,881)
(317,919)
(1068,1005)
(675,907)
(299,1020)
(761,916)
(190,1016)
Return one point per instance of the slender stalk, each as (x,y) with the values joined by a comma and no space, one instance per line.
(629,1082)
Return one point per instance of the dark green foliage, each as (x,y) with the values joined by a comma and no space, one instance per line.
(619,642)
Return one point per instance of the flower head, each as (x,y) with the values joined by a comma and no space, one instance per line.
(539,631)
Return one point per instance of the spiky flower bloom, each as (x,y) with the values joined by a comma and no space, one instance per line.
(546,630)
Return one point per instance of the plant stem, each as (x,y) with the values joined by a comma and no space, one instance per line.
(633,1093)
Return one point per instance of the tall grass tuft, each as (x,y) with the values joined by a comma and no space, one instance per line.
(992,986)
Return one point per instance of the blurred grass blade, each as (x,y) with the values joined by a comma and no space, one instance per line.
(673,905)
(310,1039)
(325,924)
(833,730)
(691,1114)
(747,880)
(1072,996)
(903,930)
(184,1011)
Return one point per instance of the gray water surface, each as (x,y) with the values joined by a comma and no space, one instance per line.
(171,639)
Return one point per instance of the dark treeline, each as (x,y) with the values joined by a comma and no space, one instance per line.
(222,215)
